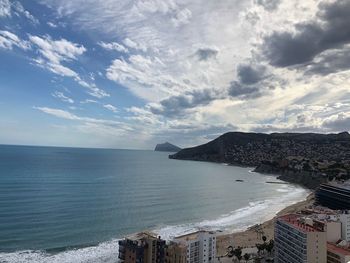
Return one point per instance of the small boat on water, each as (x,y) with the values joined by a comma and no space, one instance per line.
(239,180)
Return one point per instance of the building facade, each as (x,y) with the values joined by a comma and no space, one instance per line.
(176,253)
(198,247)
(142,248)
(297,240)
(336,254)
(344,218)
(333,196)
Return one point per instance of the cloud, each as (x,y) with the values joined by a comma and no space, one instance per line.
(62,97)
(339,122)
(330,61)
(114,46)
(206,53)
(269,5)
(249,83)
(251,73)
(18,8)
(132,44)
(51,24)
(328,30)
(5,8)
(101,127)
(70,116)
(182,17)
(8,7)
(8,40)
(248,65)
(56,52)
(88,101)
(177,106)
(58,113)
(111,108)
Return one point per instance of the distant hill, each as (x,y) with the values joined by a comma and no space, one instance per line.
(305,158)
(167,147)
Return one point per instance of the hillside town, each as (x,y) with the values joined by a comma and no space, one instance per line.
(306,159)
(317,233)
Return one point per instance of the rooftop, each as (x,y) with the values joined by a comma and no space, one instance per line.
(142,235)
(338,250)
(299,222)
(193,236)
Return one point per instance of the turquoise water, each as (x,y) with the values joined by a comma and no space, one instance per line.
(72,205)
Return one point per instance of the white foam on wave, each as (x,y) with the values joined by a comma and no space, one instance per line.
(107,252)
(240,219)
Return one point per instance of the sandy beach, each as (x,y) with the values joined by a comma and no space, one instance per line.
(250,237)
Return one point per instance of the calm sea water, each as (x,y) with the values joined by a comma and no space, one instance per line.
(72,205)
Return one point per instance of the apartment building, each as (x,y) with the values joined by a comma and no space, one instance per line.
(143,247)
(197,247)
(337,254)
(344,218)
(333,196)
(298,240)
(176,253)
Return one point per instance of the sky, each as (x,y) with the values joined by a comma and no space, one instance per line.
(133,73)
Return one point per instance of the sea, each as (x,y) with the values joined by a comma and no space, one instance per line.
(74,204)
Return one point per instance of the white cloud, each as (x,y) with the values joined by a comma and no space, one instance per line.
(88,101)
(111,108)
(19,9)
(132,44)
(61,96)
(5,8)
(100,127)
(8,40)
(51,24)
(182,17)
(114,46)
(56,52)
(70,116)
(179,50)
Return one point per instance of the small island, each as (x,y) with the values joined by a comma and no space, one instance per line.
(167,147)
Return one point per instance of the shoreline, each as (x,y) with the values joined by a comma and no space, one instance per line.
(250,237)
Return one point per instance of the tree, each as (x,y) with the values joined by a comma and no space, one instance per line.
(246,257)
(238,253)
(259,247)
(264,238)
(269,246)
(230,251)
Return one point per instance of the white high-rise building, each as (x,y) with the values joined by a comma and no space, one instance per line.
(345,225)
(298,240)
(200,246)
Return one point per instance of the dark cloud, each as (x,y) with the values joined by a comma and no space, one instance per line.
(269,5)
(329,30)
(340,123)
(330,61)
(204,54)
(176,105)
(251,73)
(236,89)
(249,81)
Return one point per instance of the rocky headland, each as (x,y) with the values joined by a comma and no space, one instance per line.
(307,159)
